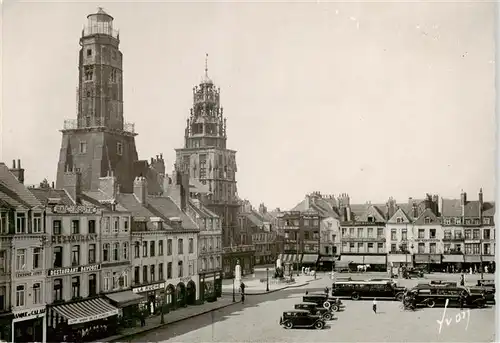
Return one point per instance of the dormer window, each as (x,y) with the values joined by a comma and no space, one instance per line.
(457,221)
(399,220)
(371,219)
(4,228)
(37,223)
(427,220)
(21,223)
(486,221)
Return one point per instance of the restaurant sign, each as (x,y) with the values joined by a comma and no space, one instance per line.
(80,209)
(74,238)
(28,314)
(74,270)
(29,273)
(149,288)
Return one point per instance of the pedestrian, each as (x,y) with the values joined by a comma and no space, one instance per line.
(143,319)
(375,305)
(307,292)
(462,280)
(242,298)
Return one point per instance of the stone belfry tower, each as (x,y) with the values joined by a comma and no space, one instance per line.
(99,141)
(206,158)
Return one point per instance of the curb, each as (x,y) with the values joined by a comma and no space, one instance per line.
(121,337)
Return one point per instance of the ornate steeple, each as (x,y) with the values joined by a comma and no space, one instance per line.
(206,126)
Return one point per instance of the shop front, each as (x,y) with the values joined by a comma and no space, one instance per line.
(86,320)
(181,293)
(128,303)
(29,325)
(475,261)
(309,260)
(453,263)
(209,289)
(6,326)
(326,263)
(152,297)
(397,262)
(431,262)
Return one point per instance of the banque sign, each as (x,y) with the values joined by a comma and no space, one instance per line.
(74,270)
(80,209)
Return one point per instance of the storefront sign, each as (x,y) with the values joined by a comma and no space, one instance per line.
(185,279)
(149,288)
(92,318)
(73,238)
(63,209)
(79,269)
(20,275)
(29,314)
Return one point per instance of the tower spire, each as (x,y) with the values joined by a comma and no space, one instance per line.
(206,65)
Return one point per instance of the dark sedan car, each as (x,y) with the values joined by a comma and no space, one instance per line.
(301,319)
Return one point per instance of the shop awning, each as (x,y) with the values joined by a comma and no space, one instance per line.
(309,259)
(427,258)
(488,258)
(378,259)
(399,258)
(327,259)
(459,258)
(356,259)
(341,264)
(472,258)
(86,311)
(125,298)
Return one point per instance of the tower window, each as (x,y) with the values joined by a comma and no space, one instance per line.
(89,52)
(83,147)
(89,73)
(114,54)
(112,76)
(119,148)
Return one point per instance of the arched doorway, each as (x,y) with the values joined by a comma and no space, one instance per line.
(191,293)
(180,294)
(170,296)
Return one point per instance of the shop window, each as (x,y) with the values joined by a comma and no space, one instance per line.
(75,287)
(20,295)
(58,288)
(92,285)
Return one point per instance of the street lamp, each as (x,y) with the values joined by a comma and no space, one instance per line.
(412,246)
(481,257)
(267,279)
(162,318)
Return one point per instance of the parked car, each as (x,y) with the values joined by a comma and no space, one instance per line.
(333,304)
(486,283)
(301,318)
(443,283)
(486,288)
(368,289)
(314,308)
(382,279)
(431,295)
(415,272)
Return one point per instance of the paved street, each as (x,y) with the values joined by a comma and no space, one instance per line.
(257,321)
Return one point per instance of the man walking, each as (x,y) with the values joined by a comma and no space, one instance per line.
(462,280)
(375,305)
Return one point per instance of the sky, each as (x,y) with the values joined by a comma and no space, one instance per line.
(373,99)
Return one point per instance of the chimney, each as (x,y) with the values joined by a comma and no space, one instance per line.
(463,201)
(109,185)
(307,202)
(141,189)
(72,180)
(17,171)
(414,209)
(53,186)
(391,207)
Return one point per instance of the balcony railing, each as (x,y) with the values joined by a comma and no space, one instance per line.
(73,124)
(364,239)
(238,248)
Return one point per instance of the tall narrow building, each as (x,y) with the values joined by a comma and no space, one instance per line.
(99,141)
(206,158)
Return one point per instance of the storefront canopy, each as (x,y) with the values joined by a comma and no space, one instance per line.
(309,259)
(290,258)
(86,311)
(453,258)
(327,259)
(124,299)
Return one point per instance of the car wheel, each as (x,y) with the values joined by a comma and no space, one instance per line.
(335,308)
(288,325)
(327,316)
(327,304)
(431,303)
(319,325)
(399,297)
(355,296)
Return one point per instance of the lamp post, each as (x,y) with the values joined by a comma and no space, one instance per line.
(162,318)
(267,279)
(412,246)
(481,257)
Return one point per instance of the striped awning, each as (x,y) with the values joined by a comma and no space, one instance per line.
(86,311)
(290,258)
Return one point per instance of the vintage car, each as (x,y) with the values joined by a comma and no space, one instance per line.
(382,279)
(333,304)
(432,295)
(314,308)
(486,288)
(443,283)
(486,283)
(415,272)
(368,289)
(301,319)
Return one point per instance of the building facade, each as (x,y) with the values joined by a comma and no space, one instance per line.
(22,251)
(206,158)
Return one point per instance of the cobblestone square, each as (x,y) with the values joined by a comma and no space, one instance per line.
(257,321)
